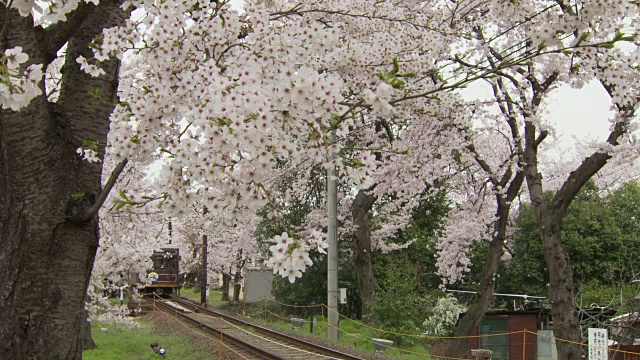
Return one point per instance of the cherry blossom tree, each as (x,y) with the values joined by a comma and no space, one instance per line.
(129,230)
(596,33)
(224,99)
(231,247)
(490,181)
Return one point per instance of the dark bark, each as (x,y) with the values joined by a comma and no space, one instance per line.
(237,286)
(226,280)
(85,333)
(475,313)
(237,277)
(46,259)
(566,323)
(362,248)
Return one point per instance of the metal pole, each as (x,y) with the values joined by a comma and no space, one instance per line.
(332,235)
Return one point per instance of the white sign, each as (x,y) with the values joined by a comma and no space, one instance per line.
(343,295)
(598,344)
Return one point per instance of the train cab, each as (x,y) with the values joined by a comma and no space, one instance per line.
(163,277)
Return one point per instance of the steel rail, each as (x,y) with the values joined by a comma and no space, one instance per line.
(318,349)
(255,350)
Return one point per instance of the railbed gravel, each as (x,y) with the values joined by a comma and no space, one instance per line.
(164,325)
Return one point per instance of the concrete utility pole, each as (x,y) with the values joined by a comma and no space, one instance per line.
(205,245)
(203,291)
(332,237)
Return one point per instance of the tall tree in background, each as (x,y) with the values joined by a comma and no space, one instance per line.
(496,163)
(529,85)
(597,237)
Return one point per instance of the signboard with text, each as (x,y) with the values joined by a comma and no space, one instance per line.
(598,344)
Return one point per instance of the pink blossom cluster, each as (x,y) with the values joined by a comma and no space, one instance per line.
(230,103)
(47,11)
(18,86)
(290,256)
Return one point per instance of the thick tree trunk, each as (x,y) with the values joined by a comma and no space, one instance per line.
(226,280)
(362,248)
(566,322)
(45,256)
(205,277)
(85,333)
(237,277)
(236,291)
(471,320)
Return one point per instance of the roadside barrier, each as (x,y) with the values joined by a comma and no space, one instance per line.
(424,336)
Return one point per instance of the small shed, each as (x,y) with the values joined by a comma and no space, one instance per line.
(625,352)
(502,333)
(625,328)
(257,284)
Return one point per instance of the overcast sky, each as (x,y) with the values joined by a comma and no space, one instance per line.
(581,113)
(578,115)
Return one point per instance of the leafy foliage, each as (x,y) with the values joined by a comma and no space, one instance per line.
(405,298)
(444,316)
(600,236)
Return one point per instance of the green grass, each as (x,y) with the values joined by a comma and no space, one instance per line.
(193,293)
(352,333)
(134,344)
(121,343)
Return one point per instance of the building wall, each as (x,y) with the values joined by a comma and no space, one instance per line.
(257,285)
(631,352)
(516,341)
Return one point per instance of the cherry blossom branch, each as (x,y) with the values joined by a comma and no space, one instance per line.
(56,35)
(93,210)
(483,164)
(5,26)
(229,48)
(527,19)
(295,11)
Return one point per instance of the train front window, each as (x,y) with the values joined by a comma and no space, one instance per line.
(162,262)
(159,263)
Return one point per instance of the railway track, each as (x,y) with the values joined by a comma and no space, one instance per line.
(247,340)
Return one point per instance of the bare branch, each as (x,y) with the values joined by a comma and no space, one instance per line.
(93,210)
(55,36)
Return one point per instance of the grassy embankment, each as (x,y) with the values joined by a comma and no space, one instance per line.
(352,333)
(121,343)
(134,344)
